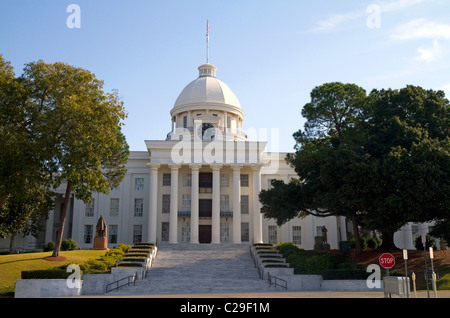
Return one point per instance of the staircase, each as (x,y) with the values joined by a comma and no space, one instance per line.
(200,269)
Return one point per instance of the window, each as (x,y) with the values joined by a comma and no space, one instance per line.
(165,231)
(90,208)
(186,203)
(185,122)
(244,204)
(187,179)
(87,237)
(138,207)
(244,180)
(269,183)
(114,207)
(166,180)
(415,231)
(224,203)
(185,232)
(228,122)
(297,235)
(166,203)
(224,232)
(245,232)
(139,184)
(319,230)
(137,233)
(112,232)
(224,180)
(205,179)
(273,237)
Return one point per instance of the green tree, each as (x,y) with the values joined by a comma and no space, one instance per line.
(77,126)
(408,145)
(24,199)
(25,213)
(327,157)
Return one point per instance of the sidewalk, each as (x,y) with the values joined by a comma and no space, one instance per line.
(306,294)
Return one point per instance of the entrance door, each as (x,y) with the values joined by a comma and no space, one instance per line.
(204,234)
(205,208)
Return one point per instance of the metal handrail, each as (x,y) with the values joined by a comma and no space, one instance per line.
(275,283)
(133,277)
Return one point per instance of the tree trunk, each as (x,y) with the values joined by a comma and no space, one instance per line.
(12,245)
(356,232)
(387,243)
(62,221)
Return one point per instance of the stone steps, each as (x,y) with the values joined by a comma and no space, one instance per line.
(198,269)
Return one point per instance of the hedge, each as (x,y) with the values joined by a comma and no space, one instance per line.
(335,274)
(46,274)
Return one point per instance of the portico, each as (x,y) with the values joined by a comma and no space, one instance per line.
(208,211)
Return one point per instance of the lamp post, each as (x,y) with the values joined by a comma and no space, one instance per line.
(424,241)
(433,274)
(405,257)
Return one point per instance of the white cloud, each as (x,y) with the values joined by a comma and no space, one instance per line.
(397,5)
(446,89)
(421,28)
(335,20)
(428,55)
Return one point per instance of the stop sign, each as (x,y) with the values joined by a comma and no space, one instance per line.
(387,260)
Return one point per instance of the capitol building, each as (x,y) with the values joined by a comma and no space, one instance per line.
(197,185)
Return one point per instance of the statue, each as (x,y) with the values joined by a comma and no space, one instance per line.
(100,240)
(101,227)
(324,234)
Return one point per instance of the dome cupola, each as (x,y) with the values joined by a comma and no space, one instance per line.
(209,103)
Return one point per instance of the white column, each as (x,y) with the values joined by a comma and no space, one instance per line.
(215,229)
(237,203)
(49,226)
(153,202)
(194,203)
(173,234)
(257,218)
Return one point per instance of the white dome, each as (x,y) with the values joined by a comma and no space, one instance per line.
(207,90)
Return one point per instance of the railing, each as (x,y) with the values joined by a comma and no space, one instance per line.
(276,281)
(133,281)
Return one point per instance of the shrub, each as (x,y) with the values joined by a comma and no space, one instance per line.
(428,243)
(373,243)
(94,265)
(123,247)
(362,240)
(49,246)
(287,248)
(68,245)
(317,264)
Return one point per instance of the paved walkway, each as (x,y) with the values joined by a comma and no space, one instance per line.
(219,271)
(200,269)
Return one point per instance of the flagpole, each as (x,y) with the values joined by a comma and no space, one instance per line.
(207,42)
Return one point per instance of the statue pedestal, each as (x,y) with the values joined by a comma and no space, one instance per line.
(100,243)
(319,245)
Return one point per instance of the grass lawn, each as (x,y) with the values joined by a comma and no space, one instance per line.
(12,265)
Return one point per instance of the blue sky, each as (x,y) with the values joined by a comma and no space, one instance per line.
(270,53)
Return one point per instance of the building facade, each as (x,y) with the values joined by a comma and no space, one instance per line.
(198,185)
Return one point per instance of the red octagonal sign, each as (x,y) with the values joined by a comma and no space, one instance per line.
(387,260)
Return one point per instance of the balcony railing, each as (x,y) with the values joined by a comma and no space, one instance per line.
(223,214)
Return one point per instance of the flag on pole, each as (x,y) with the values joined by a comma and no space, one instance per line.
(207,41)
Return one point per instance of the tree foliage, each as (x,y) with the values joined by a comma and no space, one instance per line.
(381,159)
(59,128)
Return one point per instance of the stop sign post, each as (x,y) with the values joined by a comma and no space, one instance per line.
(387,261)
